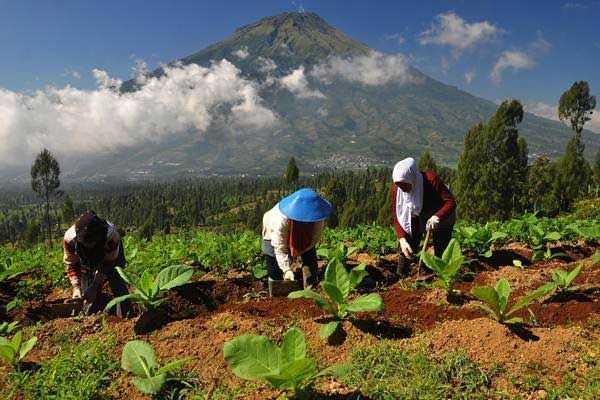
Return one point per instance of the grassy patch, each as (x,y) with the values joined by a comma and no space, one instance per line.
(386,372)
(79,371)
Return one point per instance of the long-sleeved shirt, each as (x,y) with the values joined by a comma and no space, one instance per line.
(111,248)
(276,229)
(437,200)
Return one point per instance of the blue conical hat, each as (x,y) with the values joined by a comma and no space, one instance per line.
(305,205)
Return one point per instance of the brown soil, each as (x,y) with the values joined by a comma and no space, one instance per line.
(489,343)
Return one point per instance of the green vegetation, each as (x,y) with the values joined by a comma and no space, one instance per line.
(338,285)
(139,359)
(149,291)
(6,328)
(446,268)
(45,174)
(79,371)
(495,301)
(287,367)
(384,371)
(562,280)
(14,351)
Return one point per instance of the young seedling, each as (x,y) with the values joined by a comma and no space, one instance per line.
(6,328)
(138,358)
(446,268)
(14,351)
(338,285)
(495,300)
(149,291)
(286,368)
(563,279)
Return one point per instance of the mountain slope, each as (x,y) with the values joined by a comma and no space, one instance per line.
(351,124)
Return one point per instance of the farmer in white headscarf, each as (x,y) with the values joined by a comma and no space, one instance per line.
(421,201)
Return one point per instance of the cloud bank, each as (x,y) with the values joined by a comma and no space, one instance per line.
(297,83)
(373,69)
(73,122)
(451,30)
(551,112)
(514,60)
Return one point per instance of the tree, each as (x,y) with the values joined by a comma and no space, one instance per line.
(540,181)
(573,173)
(576,105)
(45,180)
(426,162)
(492,170)
(291,172)
(68,210)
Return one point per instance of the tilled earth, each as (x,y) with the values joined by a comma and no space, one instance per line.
(204,314)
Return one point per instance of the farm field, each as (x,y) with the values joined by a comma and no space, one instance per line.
(431,339)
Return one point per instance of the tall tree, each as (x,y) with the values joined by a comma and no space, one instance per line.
(68,210)
(291,172)
(576,105)
(45,180)
(492,170)
(541,179)
(426,162)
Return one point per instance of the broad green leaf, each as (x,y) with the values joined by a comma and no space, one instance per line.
(328,329)
(8,353)
(534,295)
(552,236)
(17,340)
(570,277)
(491,312)
(503,289)
(451,252)
(125,276)
(434,263)
(138,358)
(312,295)
(333,292)
(145,283)
(252,357)
(596,257)
(173,276)
(518,263)
(151,385)
(367,303)
(488,253)
(337,275)
(357,274)
(26,347)
(498,235)
(514,320)
(293,374)
(173,366)
(120,299)
(559,277)
(293,347)
(488,295)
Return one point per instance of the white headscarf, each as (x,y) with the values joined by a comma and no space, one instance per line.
(408,204)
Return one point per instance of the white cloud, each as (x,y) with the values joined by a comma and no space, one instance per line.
(469,76)
(395,37)
(571,5)
(241,53)
(266,65)
(71,73)
(372,69)
(551,112)
(541,45)
(514,60)
(451,30)
(73,122)
(297,83)
(140,72)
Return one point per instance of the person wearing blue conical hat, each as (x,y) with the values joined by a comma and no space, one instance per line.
(292,229)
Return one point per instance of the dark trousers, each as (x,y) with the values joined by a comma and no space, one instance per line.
(440,237)
(118,287)
(309,259)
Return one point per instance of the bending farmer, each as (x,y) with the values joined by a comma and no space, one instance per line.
(92,249)
(292,228)
(420,202)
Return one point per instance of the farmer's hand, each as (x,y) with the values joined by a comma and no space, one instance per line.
(288,275)
(405,247)
(432,223)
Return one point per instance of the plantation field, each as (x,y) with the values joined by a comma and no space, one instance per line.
(430,339)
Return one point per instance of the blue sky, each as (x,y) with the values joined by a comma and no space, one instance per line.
(59,42)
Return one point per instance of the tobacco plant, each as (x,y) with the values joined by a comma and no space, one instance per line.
(139,359)
(337,286)
(494,300)
(562,280)
(148,290)
(446,268)
(14,351)
(288,367)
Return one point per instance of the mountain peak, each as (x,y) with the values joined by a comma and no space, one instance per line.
(289,39)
